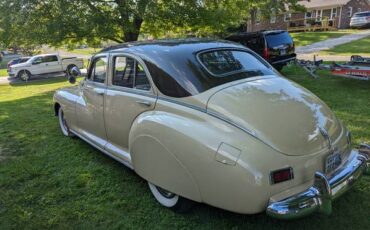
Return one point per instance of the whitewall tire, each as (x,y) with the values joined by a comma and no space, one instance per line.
(170,200)
(63,124)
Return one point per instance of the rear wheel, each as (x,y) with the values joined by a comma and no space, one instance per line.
(170,200)
(24,75)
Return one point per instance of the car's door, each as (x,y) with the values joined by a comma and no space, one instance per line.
(52,64)
(90,105)
(129,94)
(38,66)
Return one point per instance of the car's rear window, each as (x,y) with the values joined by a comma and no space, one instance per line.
(277,39)
(364,14)
(224,63)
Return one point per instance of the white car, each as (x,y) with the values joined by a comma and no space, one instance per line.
(44,64)
(360,20)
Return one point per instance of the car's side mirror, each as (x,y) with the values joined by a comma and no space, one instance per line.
(36,62)
(73,73)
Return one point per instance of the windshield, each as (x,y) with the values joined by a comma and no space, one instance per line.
(364,14)
(277,39)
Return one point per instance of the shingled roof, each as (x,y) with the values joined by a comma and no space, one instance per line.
(323,3)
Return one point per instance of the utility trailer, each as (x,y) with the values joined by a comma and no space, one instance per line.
(357,68)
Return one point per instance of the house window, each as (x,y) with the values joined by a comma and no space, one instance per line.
(333,13)
(273,17)
(287,17)
(358,9)
(308,15)
(349,12)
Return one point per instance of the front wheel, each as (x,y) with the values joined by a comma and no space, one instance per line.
(24,75)
(170,200)
(63,124)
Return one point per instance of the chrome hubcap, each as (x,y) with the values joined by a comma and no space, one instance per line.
(24,76)
(165,193)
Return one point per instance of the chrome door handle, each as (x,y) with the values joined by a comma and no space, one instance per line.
(146,103)
(99,91)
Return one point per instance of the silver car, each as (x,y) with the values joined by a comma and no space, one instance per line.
(360,20)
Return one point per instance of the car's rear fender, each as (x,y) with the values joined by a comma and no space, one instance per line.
(183,150)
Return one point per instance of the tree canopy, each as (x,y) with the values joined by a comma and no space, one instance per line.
(56,22)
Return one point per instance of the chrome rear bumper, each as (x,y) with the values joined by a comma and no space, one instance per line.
(319,197)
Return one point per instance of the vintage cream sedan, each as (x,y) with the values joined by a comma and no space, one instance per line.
(212,122)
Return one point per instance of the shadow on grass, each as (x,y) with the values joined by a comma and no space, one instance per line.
(39,81)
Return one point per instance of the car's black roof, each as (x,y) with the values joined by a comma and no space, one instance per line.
(173,64)
(193,44)
(263,32)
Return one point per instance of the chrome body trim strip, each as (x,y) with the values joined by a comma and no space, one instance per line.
(127,164)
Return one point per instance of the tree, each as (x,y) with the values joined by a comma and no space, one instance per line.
(56,22)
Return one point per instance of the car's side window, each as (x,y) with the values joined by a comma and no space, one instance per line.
(129,73)
(99,70)
(38,60)
(141,79)
(124,72)
(50,58)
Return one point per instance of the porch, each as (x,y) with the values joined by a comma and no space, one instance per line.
(312,24)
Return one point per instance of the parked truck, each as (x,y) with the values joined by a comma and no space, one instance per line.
(44,64)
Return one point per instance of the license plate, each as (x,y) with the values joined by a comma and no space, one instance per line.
(282,52)
(332,162)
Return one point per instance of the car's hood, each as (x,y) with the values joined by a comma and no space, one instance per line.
(25,64)
(281,113)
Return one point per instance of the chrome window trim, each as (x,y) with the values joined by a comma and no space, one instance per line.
(268,66)
(92,64)
(151,91)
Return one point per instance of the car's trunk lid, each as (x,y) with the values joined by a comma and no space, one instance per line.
(281,113)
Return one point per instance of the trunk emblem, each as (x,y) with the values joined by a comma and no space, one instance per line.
(325,134)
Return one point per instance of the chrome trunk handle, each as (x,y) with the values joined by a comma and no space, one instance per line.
(146,103)
(99,91)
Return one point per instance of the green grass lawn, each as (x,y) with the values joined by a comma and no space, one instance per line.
(359,47)
(48,181)
(87,51)
(307,38)
(3,73)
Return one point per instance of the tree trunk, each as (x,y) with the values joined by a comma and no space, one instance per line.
(133,33)
(253,14)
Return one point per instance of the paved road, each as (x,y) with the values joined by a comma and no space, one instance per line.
(330,43)
(8,80)
(334,58)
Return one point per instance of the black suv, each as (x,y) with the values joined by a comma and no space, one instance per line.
(276,46)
